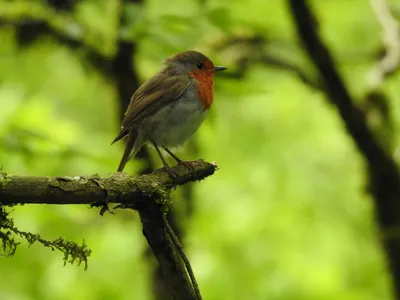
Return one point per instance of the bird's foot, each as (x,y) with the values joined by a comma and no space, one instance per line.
(189,166)
(175,176)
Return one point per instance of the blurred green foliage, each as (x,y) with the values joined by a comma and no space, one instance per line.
(287,216)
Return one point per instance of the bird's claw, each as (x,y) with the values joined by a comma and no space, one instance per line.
(189,166)
(175,176)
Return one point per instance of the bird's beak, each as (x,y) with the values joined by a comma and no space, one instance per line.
(219,68)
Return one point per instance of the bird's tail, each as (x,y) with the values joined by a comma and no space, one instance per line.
(130,150)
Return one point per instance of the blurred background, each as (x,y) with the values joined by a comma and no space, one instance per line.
(287,216)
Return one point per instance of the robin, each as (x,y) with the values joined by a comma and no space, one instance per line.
(169,108)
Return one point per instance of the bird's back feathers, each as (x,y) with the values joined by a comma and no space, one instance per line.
(154,94)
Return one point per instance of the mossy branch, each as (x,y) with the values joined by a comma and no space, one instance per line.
(118,188)
(73,253)
(148,194)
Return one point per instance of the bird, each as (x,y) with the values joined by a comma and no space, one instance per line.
(168,108)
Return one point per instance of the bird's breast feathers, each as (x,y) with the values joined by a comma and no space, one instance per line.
(204,88)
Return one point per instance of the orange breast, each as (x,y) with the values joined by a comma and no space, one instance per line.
(205,87)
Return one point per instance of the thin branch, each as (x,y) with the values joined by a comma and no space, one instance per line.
(171,264)
(376,102)
(257,55)
(118,188)
(279,63)
(37,20)
(183,256)
(391,39)
(382,170)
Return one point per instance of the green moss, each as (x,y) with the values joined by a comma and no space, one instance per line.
(159,192)
(73,253)
(148,186)
(9,245)
(4,178)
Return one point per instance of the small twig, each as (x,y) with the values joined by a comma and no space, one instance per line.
(391,39)
(376,102)
(183,256)
(171,264)
(254,53)
(279,63)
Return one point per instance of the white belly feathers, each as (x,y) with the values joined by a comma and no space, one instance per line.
(173,124)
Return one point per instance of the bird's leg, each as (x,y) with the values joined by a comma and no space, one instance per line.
(180,162)
(167,168)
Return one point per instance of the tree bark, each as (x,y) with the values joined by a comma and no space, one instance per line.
(148,194)
(118,188)
(170,263)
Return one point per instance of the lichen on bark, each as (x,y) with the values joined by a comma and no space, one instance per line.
(9,235)
(139,193)
(4,178)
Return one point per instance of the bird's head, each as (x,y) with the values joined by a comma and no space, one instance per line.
(192,63)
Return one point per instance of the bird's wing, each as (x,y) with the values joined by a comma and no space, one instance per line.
(154,94)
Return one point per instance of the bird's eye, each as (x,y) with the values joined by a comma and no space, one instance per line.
(200,66)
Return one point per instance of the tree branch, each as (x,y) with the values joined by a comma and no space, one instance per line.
(56,21)
(382,170)
(376,102)
(167,255)
(254,53)
(118,188)
(148,194)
